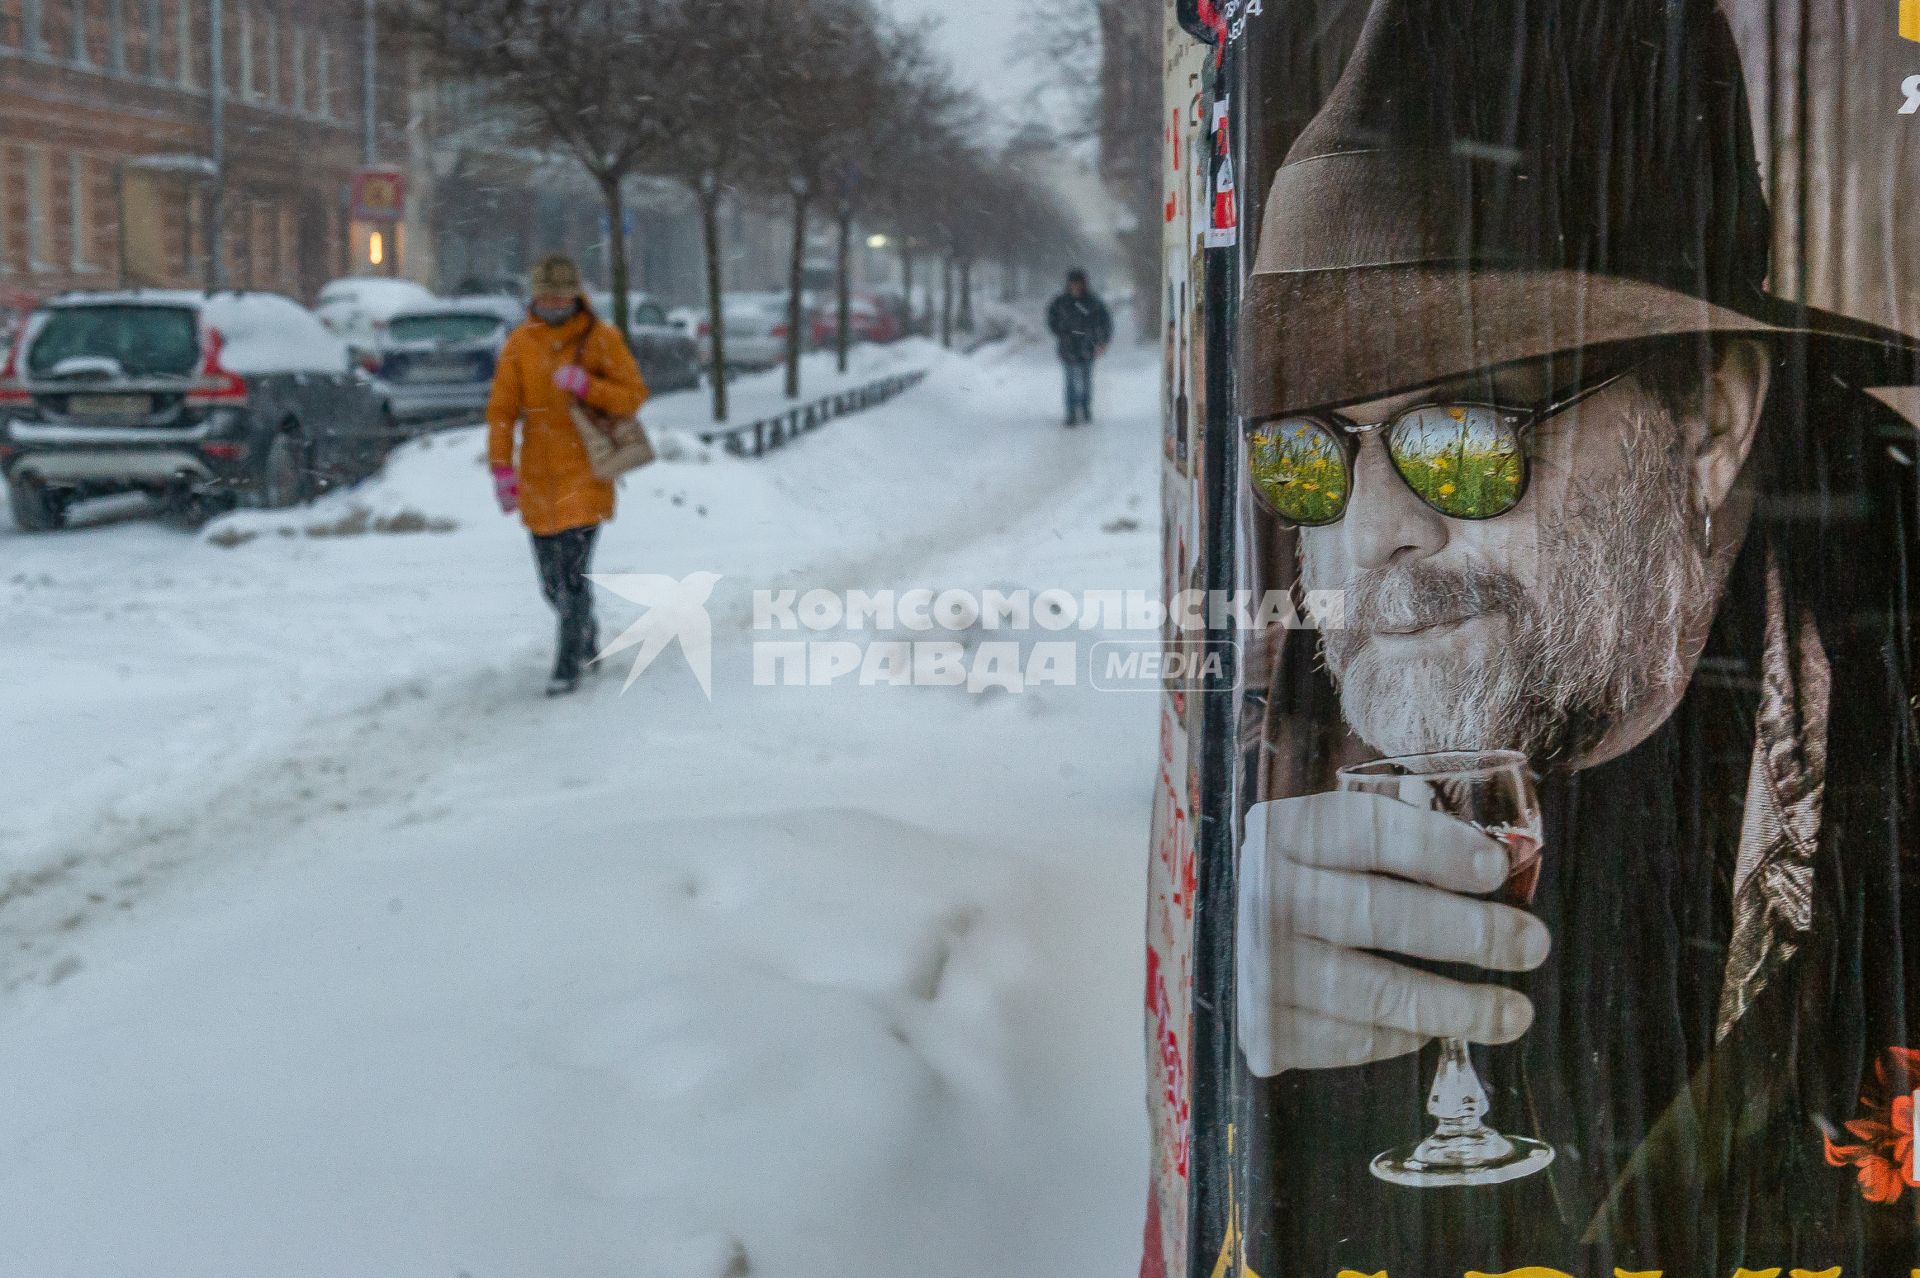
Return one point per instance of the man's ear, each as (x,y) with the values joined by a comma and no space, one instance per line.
(1730,406)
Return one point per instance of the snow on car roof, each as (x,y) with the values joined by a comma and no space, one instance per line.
(500,308)
(131,296)
(269,333)
(262,332)
(378,293)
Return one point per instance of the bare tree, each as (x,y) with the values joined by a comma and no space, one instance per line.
(565,78)
(709,58)
(1106,90)
(823,72)
(915,105)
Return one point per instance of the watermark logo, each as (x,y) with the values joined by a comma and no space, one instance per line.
(676,611)
(982,641)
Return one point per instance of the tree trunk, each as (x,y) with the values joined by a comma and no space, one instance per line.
(796,279)
(946,301)
(843,290)
(964,322)
(906,282)
(617,252)
(716,313)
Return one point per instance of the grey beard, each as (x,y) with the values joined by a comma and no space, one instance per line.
(1623,584)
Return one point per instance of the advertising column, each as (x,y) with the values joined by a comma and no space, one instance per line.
(1546,901)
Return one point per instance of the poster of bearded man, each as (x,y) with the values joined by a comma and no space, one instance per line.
(1559,908)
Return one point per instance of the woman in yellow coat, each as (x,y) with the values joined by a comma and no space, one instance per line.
(562,352)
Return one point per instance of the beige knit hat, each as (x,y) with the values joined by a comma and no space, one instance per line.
(555,273)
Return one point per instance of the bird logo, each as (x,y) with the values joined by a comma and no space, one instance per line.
(675,610)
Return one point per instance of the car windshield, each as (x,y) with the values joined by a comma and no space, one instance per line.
(143,340)
(442,328)
(648,313)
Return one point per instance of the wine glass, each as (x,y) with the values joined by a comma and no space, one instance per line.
(1492,790)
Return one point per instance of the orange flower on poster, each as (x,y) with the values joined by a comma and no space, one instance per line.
(1883,1159)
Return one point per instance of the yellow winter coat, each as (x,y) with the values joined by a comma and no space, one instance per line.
(558,490)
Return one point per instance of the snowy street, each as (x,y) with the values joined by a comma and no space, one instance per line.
(329,947)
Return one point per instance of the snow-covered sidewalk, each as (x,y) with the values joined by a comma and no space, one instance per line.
(330,948)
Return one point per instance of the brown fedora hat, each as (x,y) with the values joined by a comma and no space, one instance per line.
(1500,180)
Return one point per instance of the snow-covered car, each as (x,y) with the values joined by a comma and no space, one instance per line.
(492,286)
(668,357)
(435,364)
(356,310)
(222,397)
(756,329)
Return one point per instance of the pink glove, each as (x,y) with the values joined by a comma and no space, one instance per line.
(572,379)
(506,489)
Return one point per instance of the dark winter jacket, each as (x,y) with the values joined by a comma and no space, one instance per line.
(1686,1143)
(1081,325)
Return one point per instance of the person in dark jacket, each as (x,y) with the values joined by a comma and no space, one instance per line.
(1082,327)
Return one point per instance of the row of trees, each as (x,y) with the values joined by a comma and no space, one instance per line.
(822,105)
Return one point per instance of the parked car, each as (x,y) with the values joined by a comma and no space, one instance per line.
(357,310)
(668,357)
(434,364)
(870,318)
(756,329)
(210,398)
(492,286)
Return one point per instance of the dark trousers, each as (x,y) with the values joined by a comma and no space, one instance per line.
(565,558)
(1079,389)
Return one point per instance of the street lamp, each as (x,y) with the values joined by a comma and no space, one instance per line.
(877,241)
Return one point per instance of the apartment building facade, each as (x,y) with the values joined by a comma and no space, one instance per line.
(105,105)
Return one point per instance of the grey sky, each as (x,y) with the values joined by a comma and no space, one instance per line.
(981,39)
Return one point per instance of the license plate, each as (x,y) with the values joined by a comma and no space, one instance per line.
(109,405)
(440,370)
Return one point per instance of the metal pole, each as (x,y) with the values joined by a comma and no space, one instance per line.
(217,128)
(120,215)
(369,58)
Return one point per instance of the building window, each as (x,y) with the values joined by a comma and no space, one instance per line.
(36,176)
(33,27)
(324,78)
(78,36)
(270,45)
(299,68)
(81,209)
(183,41)
(117,36)
(248,88)
(155,21)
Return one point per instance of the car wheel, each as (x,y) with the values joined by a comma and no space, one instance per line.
(36,508)
(282,480)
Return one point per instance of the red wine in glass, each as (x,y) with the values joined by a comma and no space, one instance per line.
(1492,790)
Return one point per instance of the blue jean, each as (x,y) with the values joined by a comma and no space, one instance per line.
(1079,387)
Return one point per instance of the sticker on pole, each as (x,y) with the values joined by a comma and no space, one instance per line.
(1224,229)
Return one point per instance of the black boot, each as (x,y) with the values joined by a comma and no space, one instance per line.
(566,664)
